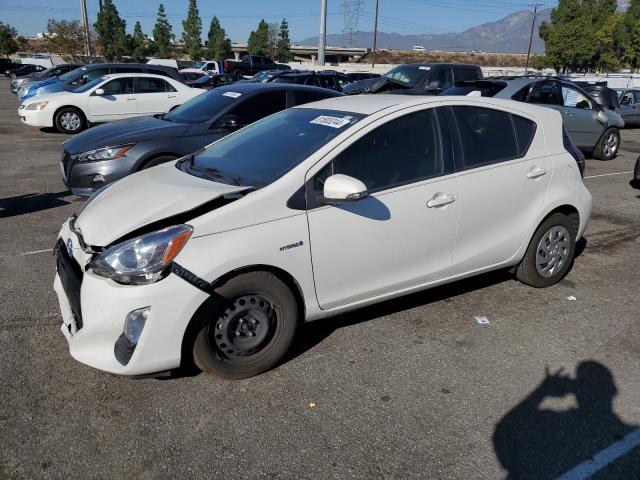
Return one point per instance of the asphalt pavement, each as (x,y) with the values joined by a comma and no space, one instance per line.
(413,388)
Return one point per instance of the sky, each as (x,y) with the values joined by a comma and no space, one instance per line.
(239,17)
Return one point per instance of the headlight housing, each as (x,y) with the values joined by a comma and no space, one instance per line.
(106,153)
(37,105)
(144,259)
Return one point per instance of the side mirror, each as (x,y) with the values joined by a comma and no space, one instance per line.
(340,188)
(99,91)
(229,122)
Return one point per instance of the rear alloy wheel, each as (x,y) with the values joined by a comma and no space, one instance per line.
(250,330)
(608,145)
(70,120)
(550,253)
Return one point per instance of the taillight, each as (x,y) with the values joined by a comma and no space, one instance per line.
(225,65)
(575,152)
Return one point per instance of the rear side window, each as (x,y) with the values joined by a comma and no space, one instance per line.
(150,85)
(525,130)
(307,97)
(487,136)
(402,151)
(260,106)
(465,74)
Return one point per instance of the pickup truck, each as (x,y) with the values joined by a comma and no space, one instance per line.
(251,64)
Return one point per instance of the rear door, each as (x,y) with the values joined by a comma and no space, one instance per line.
(117,102)
(630,107)
(580,117)
(503,175)
(152,95)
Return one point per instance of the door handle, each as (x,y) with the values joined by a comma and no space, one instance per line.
(131,98)
(536,172)
(571,114)
(440,200)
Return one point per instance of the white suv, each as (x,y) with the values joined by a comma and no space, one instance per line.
(311,212)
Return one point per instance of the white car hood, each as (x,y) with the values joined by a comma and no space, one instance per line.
(50,97)
(142,198)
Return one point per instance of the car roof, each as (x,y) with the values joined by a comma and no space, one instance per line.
(249,87)
(433,65)
(370,104)
(133,74)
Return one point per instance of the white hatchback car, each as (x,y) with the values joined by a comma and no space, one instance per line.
(108,98)
(311,212)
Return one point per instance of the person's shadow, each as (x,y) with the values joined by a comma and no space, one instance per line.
(534,442)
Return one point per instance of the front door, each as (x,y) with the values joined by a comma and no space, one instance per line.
(580,117)
(117,101)
(402,234)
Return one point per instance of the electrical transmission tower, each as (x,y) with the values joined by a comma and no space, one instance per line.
(351,10)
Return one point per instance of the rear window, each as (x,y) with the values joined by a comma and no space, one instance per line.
(486,89)
(487,136)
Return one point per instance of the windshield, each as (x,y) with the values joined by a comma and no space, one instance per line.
(261,153)
(198,64)
(202,108)
(409,74)
(88,86)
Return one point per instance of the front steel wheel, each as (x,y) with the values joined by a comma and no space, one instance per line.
(250,327)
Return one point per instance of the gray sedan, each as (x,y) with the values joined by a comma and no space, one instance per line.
(592,129)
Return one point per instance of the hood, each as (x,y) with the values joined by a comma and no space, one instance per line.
(143,198)
(49,97)
(121,132)
(361,86)
(48,81)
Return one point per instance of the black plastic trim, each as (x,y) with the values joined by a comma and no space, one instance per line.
(191,278)
(123,349)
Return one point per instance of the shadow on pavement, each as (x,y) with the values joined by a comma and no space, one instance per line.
(31,202)
(536,442)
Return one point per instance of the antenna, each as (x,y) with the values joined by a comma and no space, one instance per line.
(351,10)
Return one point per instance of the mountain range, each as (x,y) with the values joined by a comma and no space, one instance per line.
(507,35)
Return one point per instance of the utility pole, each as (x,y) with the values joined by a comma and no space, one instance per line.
(322,37)
(375,35)
(533,22)
(85,27)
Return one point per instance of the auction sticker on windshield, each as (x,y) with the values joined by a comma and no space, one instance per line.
(333,122)
(231,94)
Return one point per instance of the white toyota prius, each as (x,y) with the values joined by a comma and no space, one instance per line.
(317,210)
(105,99)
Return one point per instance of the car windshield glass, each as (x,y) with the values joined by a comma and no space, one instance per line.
(90,85)
(198,65)
(409,74)
(203,107)
(73,74)
(264,151)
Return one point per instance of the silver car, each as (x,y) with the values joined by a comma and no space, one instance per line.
(629,106)
(593,129)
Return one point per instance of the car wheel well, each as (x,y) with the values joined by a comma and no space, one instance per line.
(202,313)
(144,162)
(568,210)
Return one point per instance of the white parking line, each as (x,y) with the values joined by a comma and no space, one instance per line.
(607,174)
(36,251)
(603,457)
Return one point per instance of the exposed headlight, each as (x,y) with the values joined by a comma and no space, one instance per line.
(143,259)
(106,153)
(37,105)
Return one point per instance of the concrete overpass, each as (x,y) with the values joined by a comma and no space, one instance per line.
(307,52)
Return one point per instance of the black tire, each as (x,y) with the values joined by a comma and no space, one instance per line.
(241,358)
(529,270)
(636,171)
(70,120)
(157,161)
(237,73)
(608,146)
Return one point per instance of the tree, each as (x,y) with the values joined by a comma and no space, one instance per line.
(218,46)
(191,30)
(608,48)
(258,43)
(162,34)
(65,36)
(110,29)
(625,34)
(283,49)
(272,40)
(8,44)
(138,44)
